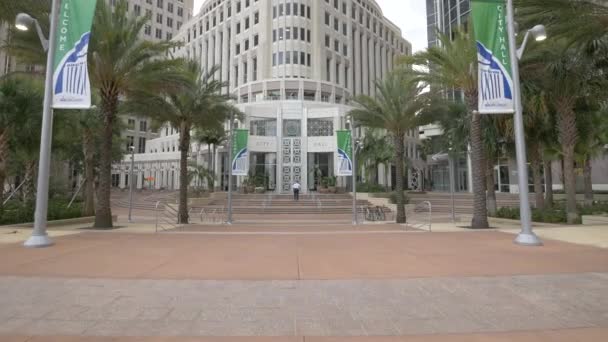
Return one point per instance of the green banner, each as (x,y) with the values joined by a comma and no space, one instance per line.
(345,152)
(71,86)
(240,155)
(494,58)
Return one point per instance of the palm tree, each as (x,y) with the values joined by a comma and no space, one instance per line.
(377,149)
(123,66)
(200,104)
(453,65)
(396,105)
(212,137)
(593,132)
(20,120)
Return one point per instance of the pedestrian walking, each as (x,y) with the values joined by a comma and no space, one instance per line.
(296,191)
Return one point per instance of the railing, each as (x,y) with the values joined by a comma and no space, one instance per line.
(214,216)
(166,216)
(419,216)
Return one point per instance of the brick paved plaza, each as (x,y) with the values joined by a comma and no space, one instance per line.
(313,283)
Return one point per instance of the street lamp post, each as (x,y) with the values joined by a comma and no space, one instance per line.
(131,181)
(39,237)
(230,143)
(452,185)
(355,144)
(526,236)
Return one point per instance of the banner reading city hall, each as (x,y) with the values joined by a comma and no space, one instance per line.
(240,160)
(494,58)
(345,161)
(71,86)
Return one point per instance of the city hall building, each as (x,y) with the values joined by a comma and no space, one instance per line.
(293,67)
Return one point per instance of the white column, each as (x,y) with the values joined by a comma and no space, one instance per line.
(365,65)
(357,82)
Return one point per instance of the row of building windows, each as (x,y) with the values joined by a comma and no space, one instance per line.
(291,57)
(256,42)
(289,9)
(291,33)
(215,4)
(336,45)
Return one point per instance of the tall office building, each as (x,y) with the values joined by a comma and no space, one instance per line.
(445,16)
(293,66)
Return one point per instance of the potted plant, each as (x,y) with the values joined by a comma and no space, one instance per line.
(324,185)
(331,183)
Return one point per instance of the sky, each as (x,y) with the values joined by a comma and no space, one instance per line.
(409,15)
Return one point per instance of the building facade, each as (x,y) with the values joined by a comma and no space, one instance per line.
(166,19)
(293,67)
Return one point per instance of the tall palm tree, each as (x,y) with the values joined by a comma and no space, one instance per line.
(396,105)
(199,104)
(453,65)
(123,66)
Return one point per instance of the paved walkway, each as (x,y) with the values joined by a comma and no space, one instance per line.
(302,283)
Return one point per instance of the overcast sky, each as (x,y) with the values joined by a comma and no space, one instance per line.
(409,15)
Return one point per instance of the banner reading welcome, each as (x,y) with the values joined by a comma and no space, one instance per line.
(345,161)
(240,161)
(493,54)
(71,86)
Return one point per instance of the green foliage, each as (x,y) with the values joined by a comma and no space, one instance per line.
(552,215)
(598,208)
(370,188)
(17,212)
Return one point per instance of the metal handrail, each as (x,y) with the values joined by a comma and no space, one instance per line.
(414,221)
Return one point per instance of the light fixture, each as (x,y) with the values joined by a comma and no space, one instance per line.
(539,33)
(23,21)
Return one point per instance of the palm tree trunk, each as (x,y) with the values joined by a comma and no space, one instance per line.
(535,164)
(184,145)
(588,182)
(480,212)
(213,167)
(399,141)
(3,163)
(548,183)
(491,187)
(103,212)
(88,148)
(28,185)
(568,136)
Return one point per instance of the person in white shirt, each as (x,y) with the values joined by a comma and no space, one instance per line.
(296,191)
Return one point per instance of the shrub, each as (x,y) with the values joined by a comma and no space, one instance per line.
(370,188)
(553,215)
(16,212)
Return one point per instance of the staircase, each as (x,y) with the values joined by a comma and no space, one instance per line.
(442,202)
(273,204)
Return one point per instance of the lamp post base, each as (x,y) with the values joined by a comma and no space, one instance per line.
(38,241)
(528,239)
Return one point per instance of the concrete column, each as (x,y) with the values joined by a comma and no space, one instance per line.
(225,60)
(357,64)
(209,52)
(365,65)
(383,61)
(332,70)
(218,50)
(371,65)
(378,50)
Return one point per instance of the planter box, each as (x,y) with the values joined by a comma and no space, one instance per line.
(65,222)
(595,220)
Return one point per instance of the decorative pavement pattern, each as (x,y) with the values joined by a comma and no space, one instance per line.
(365,286)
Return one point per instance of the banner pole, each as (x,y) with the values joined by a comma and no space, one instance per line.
(526,236)
(39,237)
(230,157)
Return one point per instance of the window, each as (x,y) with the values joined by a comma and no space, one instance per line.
(247,23)
(327,19)
(327,41)
(137,9)
(159,18)
(131,124)
(170,22)
(256,40)
(143,126)
(141,146)
(147,30)
(238,28)
(159,34)
(170,7)
(159,3)
(180,11)
(256,18)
